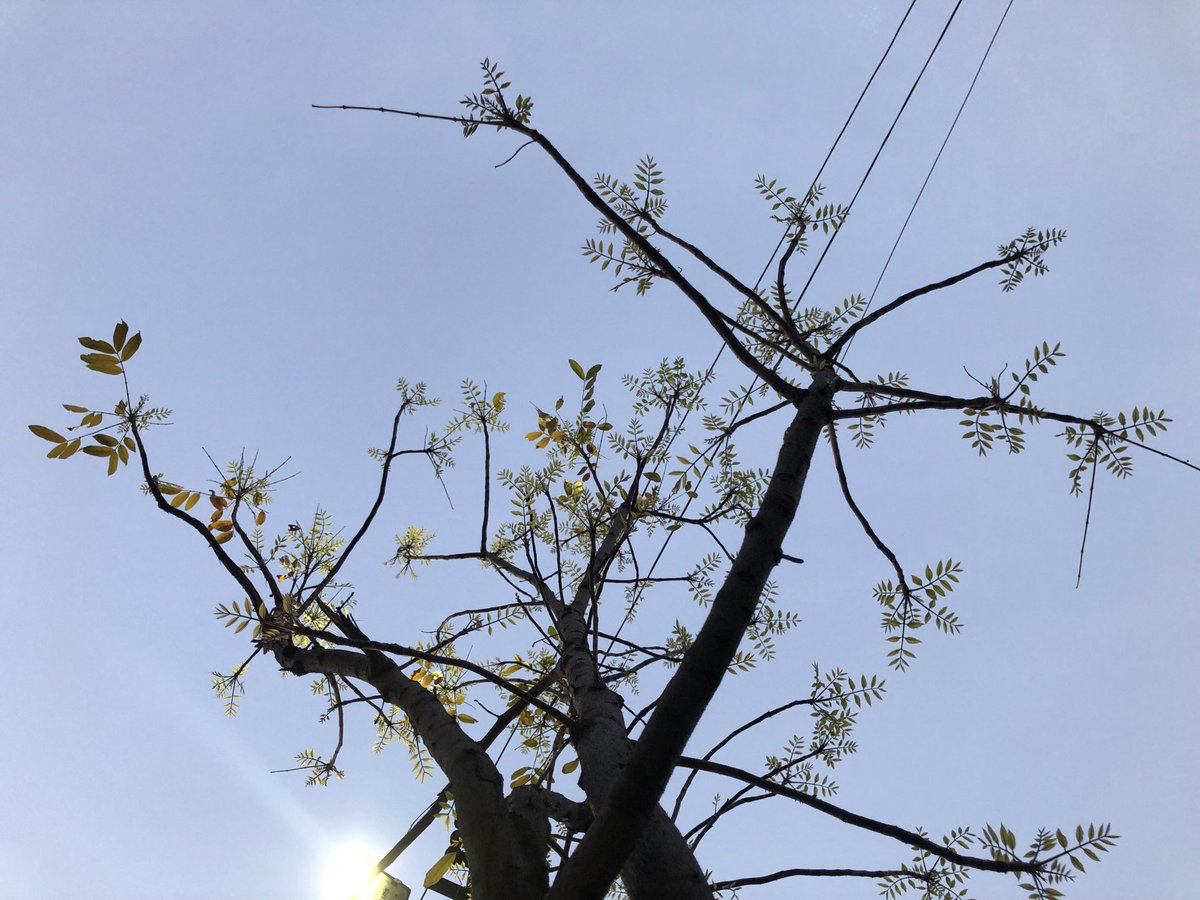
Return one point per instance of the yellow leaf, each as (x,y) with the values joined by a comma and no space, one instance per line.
(177,500)
(261,517)
(439,869)
(119,335)
(47,434)
(192,500)
(543,442)
(131,347)
(223,525)
(71,407)
(93,344)
(166,488)
(224,536)
(533,435)
(569,767)
(463,717)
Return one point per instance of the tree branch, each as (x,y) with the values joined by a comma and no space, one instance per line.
(848,335)
(911,838)
(636,792)
(813,873)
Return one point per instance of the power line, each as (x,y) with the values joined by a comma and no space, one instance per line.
(858,190)
(882,144)
(721,350)
(929,174)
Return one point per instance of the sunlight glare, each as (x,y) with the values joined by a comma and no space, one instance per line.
(346,873)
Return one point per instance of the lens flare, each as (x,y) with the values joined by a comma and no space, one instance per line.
(346,875)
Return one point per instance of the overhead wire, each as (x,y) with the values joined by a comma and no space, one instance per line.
(783,238)
(912,90)
(929,174)
(883,143)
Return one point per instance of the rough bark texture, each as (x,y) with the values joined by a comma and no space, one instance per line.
(505,849)
(661,864)
(634,797)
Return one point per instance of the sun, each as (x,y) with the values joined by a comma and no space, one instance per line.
(346,875)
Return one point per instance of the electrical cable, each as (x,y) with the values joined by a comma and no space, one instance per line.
(929,174)
(721,350)
(882,144)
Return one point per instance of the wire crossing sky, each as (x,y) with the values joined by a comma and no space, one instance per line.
(163,165)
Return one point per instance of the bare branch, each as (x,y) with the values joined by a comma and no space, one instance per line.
(848,335)
(911,838)
(813,873)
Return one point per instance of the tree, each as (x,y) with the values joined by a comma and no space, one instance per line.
(576,534)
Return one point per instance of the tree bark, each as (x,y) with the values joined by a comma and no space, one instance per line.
(505,849)
(633,799)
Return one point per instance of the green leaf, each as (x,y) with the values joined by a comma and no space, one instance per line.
(119,334)
(95,450)
(577,369)
(439,869)
(71,407)
(47,434)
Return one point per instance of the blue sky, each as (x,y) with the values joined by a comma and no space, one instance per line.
(162,164)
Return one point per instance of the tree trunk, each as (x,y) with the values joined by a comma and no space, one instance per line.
(633,799)
(505,851)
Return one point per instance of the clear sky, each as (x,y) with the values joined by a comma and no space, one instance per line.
(162,164)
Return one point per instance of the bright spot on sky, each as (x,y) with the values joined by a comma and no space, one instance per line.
(346,873)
